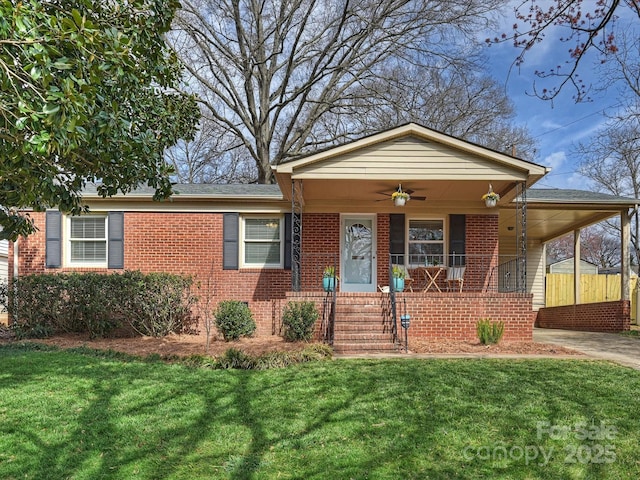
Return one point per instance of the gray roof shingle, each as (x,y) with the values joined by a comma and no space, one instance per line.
(205,190)
(557,195)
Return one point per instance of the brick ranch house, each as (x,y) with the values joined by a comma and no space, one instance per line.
(269,244)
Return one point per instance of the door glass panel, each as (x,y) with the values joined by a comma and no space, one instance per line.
(357,252)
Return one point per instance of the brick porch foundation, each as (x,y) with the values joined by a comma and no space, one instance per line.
(449,316)
(590,317)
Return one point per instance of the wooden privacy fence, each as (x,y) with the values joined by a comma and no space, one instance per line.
(593,288)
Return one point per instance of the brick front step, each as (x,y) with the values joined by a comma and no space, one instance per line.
(353,326)
(360,309)
(360,326)
(363,337)
(345,348)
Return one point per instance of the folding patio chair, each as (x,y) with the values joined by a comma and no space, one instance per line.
(455,275)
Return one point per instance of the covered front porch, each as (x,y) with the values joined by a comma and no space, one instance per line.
(344,219)
(363,309)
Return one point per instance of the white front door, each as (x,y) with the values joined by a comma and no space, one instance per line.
(358,272)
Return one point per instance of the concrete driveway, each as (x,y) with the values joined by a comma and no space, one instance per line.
(607,346)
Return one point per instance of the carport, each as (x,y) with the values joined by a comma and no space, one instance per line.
(552,213)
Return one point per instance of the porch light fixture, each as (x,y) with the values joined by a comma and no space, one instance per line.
(490,198)
(399,197)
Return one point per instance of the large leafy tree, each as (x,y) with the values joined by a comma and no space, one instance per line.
(87,94)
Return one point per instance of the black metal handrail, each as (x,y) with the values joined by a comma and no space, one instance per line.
(330,301)
(484,273)
(392,298)
(328,317)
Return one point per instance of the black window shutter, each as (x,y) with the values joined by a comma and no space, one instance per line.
(53,233)
(287,241)
(457,240)
(230,240)
(396,237)
(116,240)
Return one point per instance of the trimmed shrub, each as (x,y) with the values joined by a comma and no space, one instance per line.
(489,332)
(234,320)
(40,307)
(4,297)
(157,303)
(298,319)
(98,304)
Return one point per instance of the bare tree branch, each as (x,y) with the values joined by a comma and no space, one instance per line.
(590,26)
(287,76)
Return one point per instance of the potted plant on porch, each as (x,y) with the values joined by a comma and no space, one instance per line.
(398,274)
(329,278)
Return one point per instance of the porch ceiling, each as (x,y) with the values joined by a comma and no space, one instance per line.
(545,223)
(545,219)
(376,194)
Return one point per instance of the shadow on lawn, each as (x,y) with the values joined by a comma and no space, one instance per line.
(391,419)
(106,439)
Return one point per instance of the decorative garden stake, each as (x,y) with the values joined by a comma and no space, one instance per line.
(405,322)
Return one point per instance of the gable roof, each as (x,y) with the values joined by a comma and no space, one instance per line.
(422,135)
(407,154)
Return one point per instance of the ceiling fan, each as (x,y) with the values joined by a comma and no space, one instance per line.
(403,190)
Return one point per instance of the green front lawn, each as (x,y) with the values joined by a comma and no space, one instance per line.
(69,415)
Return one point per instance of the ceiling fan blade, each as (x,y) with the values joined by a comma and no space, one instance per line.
(406,190)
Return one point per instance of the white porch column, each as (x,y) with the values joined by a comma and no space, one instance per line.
(625,226)
(576,267)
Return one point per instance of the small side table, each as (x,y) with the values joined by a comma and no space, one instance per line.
(431,275)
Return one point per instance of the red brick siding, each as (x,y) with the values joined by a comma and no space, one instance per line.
(382,252)
(180,243)
(320,247)
(454,316)
(590,317)
(482,252)
(191,244)
(449,316)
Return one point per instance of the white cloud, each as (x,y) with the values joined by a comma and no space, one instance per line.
(564,174)
(555,160)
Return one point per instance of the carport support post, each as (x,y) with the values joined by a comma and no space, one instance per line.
(576,266)
(625,226)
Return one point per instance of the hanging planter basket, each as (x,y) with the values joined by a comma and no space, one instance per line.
(399,201)
(490,198)
(399,197)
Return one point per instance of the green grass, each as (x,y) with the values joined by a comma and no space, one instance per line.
(81,416)
(631,333)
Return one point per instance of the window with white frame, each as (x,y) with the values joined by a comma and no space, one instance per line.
(426,242)
(262,241)
(87,240)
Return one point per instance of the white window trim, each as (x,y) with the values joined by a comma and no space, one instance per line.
(243,263)
(445,239)
(67,244)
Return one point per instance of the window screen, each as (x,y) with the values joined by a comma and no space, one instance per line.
(426,242)
(262,241)
(88,240)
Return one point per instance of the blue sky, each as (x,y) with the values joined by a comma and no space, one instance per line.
(556,126)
